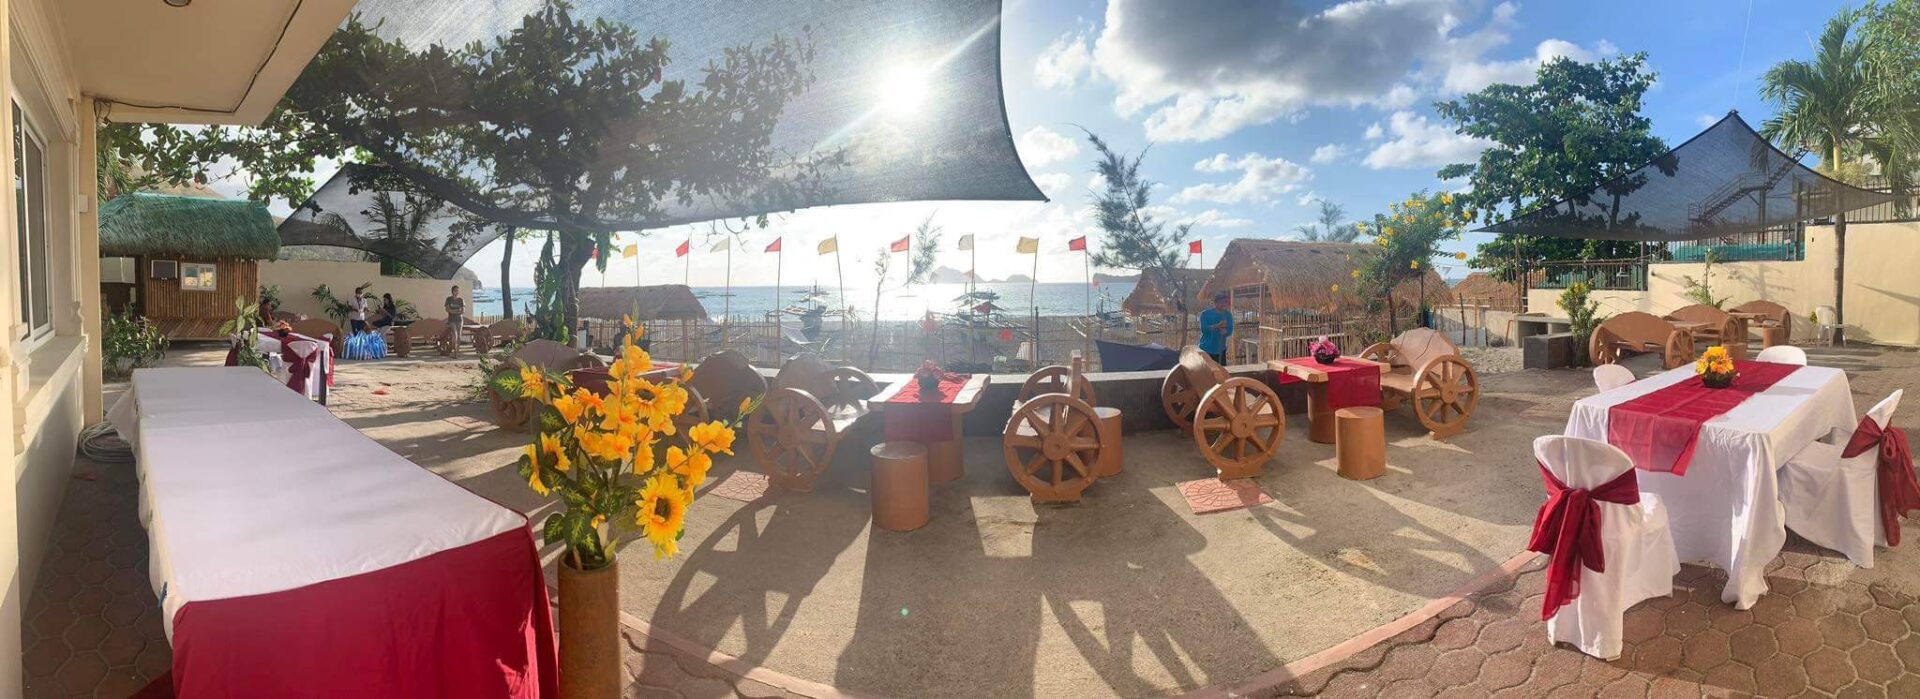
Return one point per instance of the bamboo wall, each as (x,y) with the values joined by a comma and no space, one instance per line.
(197,315)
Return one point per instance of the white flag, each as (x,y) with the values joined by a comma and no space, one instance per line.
(966,242)
(725,242)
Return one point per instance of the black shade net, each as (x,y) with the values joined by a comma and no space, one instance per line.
(904,103)
(1725,181)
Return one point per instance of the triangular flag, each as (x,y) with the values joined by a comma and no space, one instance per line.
(774,246)
(725,242)
(594,254)
(831,244)
(900,245)
(632,251)
(966,242)
(1077,244)
(1193,248)
(682,250)
(1028,246)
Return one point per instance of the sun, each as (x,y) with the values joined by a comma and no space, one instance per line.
(904,90)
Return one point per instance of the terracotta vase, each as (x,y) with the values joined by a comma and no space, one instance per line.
(590,665)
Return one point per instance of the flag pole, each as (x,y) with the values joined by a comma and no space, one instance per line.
(727,314)
(840,276)
(1033,304)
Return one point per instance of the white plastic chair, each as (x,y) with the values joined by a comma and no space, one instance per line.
(1834,501)
(1607,377)
(1828,320)
(1635,540)
(1783,354)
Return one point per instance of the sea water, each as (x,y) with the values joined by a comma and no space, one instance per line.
(908,303)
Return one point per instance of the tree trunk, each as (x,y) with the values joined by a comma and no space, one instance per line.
(506,283)
(1840,270)
(576,250)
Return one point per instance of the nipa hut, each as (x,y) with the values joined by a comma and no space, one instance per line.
(1157,294)
(1482,288)
(1281,276)
(181,261)
(645,303)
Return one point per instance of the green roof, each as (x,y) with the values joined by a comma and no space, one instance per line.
(144,224)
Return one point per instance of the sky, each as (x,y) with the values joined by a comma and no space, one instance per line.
(1252,110)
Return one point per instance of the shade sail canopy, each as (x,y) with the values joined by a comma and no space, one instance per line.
(1725,181)
(352,210)
(904,103)
(143,224)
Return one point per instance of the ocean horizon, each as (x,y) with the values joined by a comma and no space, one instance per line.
(896,303)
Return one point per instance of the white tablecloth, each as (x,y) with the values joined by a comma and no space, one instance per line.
(247,488)
(1726,510)
(266,344)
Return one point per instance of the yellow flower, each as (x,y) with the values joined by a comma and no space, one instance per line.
(715,437)
(550,444)
(533,477)
(570,407)
(1446,199)
(643,455)
(1459,256)
(663,513)
(1414,264)
(1355,274)
(746,404)
(1387,231)
(1335,288)
(692,466)
(532,384)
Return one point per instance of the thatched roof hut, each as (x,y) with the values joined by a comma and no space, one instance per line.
(1156,294)
(145,224)
(1480,286)
(1281,275)
(663,302)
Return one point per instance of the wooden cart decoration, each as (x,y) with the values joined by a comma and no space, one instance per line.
(810,407)
(1634,332)
(1054,439)
(498,334)
(1428,372)
(322,330)
(551,357)
(1236,421)
(430,330)
(718,385)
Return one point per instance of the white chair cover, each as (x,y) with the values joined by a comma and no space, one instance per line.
(1783,354)
(1607,377)
(1640,558)
(310,351)
(1834,501)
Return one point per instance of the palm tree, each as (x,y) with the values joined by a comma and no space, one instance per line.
(1308,232)
(1825,106)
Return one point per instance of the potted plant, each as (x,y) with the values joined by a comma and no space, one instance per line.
(129,343)
(1716,368)
(607,458)
(1324,351)
(928,375)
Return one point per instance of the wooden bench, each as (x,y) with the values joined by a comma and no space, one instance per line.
(1237,422)
(809,407)
(1054,440)
(1634,332)
(551,357)
(322,330)
(1428,371)
(1767,315)
(1715,327)
(718,385)
(498,334)
(429,330)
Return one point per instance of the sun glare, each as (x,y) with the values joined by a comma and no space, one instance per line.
(903,92)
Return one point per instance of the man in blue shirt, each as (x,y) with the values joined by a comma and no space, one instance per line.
(1216,325)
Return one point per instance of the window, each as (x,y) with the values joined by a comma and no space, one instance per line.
(30,225)
(197,276)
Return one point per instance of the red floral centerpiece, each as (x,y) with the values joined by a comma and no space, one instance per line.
(1324,351)
(928,375)
(1716,368)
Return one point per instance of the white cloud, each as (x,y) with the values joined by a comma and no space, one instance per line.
(1215,218)
(1041,146)
(1064,62)
(1053,184)
(1418,142)
(1705,120)
(1470,74)
(1329,153)
(1374,132)
(1261,179)
(1306,198)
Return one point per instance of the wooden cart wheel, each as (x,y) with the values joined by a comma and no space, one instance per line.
(850,386)
(1178,398)
(792,438)
(1601,350)
(1679,349)
(695,413)
(1053,379)
(1239,426)
(1445,392)
(1052,446)
(402,342)
(1383,352)
(511,413)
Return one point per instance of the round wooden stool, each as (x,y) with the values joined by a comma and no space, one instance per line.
(899,486)
(944,461)
(1360,442)
(1771,336)
(1109,464)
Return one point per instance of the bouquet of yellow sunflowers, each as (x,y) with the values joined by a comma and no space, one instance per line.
(1715,367)
(607,456)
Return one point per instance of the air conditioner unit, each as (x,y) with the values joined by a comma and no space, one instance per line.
(118,270)
(164,269)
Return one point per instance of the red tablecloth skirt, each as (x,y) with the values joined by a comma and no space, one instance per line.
(1350,382)
(913,417)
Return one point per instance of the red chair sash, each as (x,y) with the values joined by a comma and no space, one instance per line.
(299,368)
(1568,530)
(1899,492)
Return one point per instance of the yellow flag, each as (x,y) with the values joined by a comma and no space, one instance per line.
(1028,246)
(631,252)
(831,244)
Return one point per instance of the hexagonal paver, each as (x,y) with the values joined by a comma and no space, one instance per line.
(1659,656)
(1874,662)
(1457,667)
(1705,651)
(1828,669)
(1732,677)
(1883,624)
(1842,631)
(1797,637)
(1781,677)
(1752,645)
(1686,620)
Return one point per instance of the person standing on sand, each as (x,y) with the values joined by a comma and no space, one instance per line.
(456,307)
(357,313)
(1216,325)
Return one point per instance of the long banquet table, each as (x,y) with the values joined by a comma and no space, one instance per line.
(294,556)
(1726,508)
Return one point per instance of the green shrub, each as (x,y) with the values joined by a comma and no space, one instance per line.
(1584,314)
(130,343)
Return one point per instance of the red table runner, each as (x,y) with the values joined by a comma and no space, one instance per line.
(1660,429)
(1350,382)
(910,418)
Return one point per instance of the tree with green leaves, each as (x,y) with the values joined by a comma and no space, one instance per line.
(1576,126)
(1130,236)
(1828,106)
(1893,71)
(1408,237)
(1331,227)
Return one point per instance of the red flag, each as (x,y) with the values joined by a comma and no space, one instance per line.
(1077,244)
(1193,248)
(775,246)
(594,254)
(900,245)
(682,250)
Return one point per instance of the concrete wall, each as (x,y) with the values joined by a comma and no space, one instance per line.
(297,279)
(1883,290)
(42,485)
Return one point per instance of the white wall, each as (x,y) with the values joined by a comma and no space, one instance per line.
(297,279)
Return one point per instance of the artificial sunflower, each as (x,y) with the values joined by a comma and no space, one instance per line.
(663,514)
(691,466)
(713,437)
